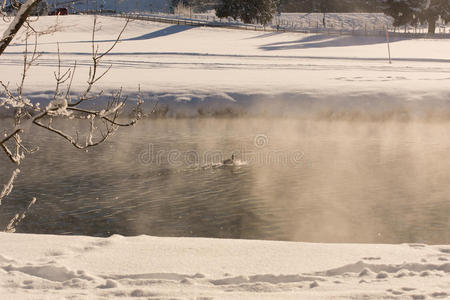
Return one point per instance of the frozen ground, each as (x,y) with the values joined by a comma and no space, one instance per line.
(186,67)
(57,267)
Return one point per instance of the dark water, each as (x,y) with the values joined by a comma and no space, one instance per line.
(312,181)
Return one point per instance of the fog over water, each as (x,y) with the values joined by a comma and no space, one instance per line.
(299,180)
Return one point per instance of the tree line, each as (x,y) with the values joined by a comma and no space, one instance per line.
(414,12)
(404,12)
(289,5)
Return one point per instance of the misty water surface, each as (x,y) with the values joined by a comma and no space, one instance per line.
(312,181)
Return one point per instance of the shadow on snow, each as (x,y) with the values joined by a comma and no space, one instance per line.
(324,41)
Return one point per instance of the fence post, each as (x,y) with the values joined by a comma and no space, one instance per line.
(389,47)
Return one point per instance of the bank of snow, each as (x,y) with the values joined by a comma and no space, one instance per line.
(56,267)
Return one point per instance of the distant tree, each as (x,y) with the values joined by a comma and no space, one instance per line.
(249,11)
(229,8)
(417,11)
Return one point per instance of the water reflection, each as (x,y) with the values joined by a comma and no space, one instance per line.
(307,181)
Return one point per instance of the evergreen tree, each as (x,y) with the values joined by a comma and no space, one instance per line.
(229,8)
(417,11)
(249,11)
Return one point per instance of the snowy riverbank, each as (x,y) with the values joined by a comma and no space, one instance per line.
(56,267)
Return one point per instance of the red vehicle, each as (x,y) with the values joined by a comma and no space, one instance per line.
(59,12)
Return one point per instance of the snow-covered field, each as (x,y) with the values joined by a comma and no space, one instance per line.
(60,267)
(279,73)
(186,67)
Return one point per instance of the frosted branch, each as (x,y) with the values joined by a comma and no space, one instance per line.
(7,188)
(12,225)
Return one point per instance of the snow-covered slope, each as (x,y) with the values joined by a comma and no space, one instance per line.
(57,267)
(187,67)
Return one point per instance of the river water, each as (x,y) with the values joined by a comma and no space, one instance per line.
(295,180)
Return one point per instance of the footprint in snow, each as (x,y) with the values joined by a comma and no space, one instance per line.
(441,295)
(55,252)
(109,284)
(417,245)
(394,292)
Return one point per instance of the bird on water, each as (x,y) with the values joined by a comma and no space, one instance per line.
(229,161)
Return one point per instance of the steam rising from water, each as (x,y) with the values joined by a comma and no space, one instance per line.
(355,181)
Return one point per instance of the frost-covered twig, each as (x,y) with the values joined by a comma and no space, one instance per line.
(62,105)
(96,58)
(11,227)
(7,188)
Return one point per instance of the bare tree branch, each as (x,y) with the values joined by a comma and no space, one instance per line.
(11,227)
(7,188)
(96,58)
(17,23)
(103,122)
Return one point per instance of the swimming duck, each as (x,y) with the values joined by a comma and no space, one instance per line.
(229,161)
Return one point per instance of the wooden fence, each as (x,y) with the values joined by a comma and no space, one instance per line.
(240,26)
